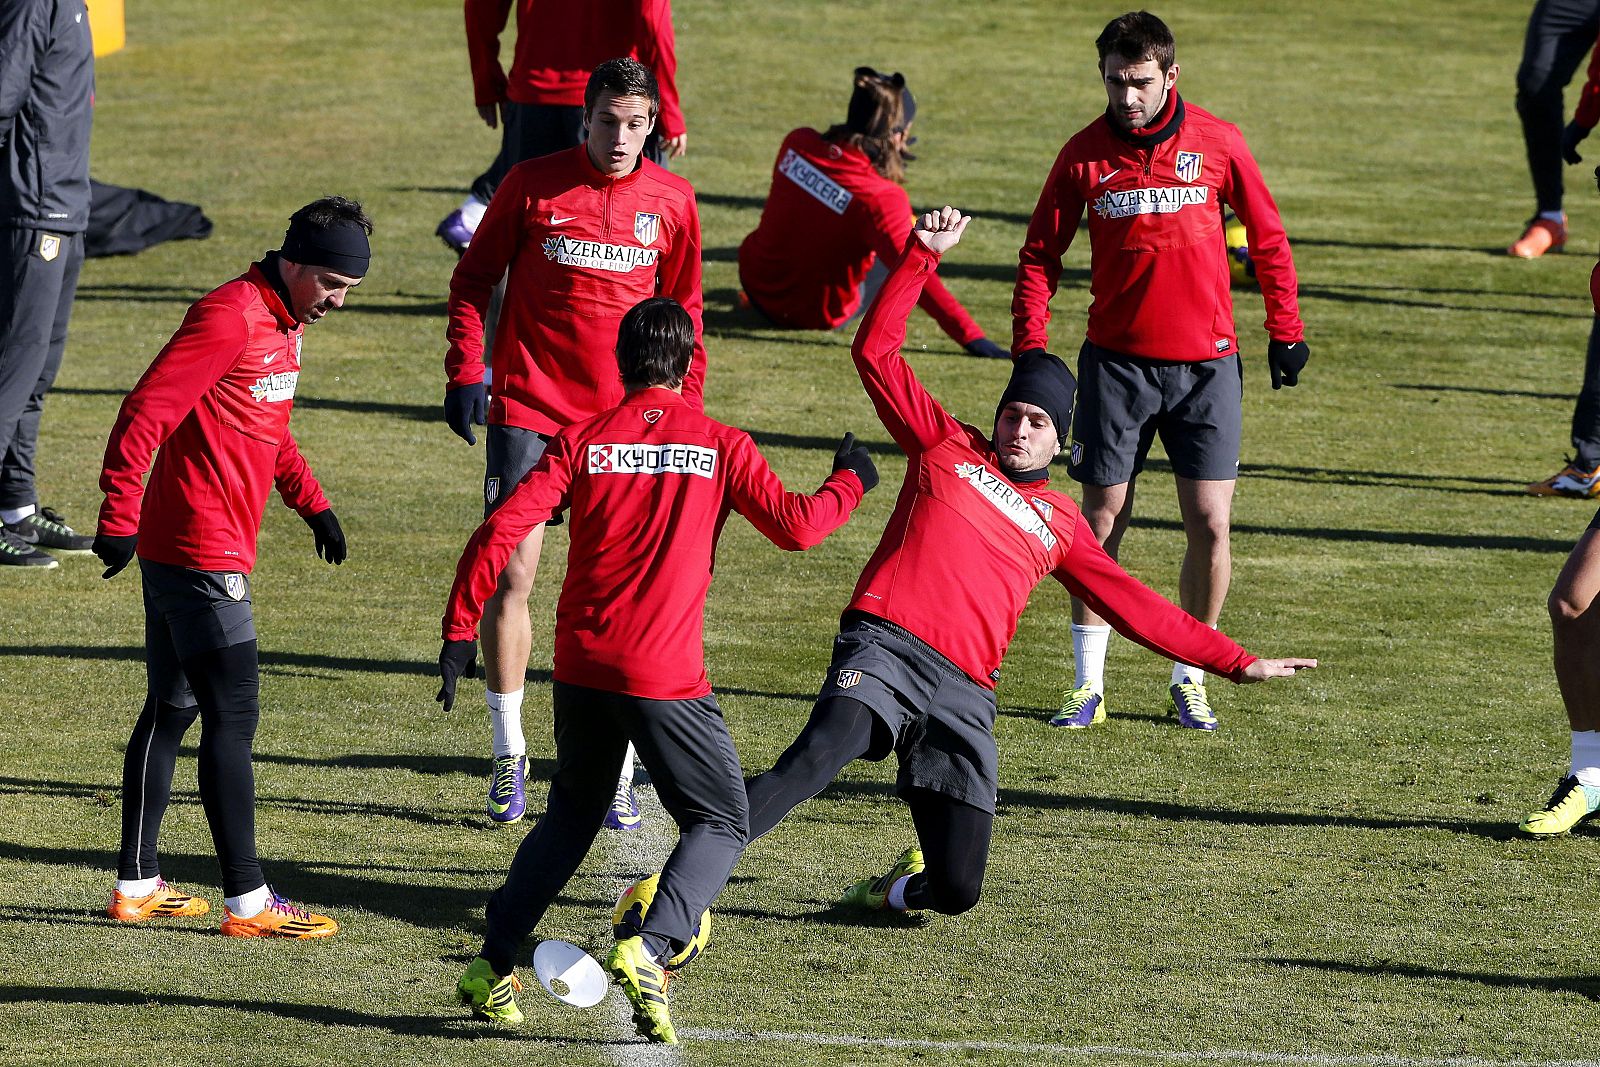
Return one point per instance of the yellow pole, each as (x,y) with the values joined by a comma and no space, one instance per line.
(105,22)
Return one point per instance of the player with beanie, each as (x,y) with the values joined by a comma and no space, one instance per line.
(214,410)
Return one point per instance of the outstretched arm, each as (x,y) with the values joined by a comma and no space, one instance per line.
(795,521)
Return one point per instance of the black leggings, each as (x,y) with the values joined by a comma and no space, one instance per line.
(954,836)
(226,682)
(1560,34)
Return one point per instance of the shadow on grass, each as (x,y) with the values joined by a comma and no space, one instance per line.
(1586,987)
(408,1025)
(1484,391)
(414,412)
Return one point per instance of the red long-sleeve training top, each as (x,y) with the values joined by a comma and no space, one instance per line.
(216,403)
(650,484)
(829,216)
(1158,265)
(560,42)
(965,545)
(583,249)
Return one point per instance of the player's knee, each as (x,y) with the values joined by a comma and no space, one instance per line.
(954,894)
(1566,609)
(1536,89)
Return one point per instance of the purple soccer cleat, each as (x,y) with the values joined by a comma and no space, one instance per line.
(624,813)
(508,791)
(453,231)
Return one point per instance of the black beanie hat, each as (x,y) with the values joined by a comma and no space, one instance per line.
(342,246)
(1043,380)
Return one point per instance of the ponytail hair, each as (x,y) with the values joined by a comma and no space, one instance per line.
(880,107)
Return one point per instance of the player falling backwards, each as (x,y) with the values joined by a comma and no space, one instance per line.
(975,528)
(650,484)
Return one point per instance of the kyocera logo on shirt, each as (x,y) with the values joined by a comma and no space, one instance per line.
(822,188)
(652,459)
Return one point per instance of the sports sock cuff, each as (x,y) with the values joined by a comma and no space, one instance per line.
(1089,644)
(1586,757)
(472,210)
(12,516)
(138,887)
(511,702)
(1184,672)
(252,903)
(897,893)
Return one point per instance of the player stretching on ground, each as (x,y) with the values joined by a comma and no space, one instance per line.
(1576,626)
(650,485)
(1161,356)
(587,233)
(975,528)
(216,403)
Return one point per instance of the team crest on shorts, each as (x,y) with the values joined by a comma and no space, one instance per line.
(1077,453)
(234,584)
(491,490)
(847,679)
(652,415)
(1188,166)
(49,247)
(646,227)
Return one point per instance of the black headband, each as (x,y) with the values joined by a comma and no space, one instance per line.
(1043,380)
(340,247)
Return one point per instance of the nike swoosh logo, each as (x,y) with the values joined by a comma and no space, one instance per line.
(268,359)
(500,809)
(561,222)
(1108,177)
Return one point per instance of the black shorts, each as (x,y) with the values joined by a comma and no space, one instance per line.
(187,612)
(1124,401)
(941,721)
(510,452)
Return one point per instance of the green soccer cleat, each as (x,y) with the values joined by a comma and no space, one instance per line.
(1192,706)
(644,981)
(1081,708)
(1570,804)
(490,996)
(873,893)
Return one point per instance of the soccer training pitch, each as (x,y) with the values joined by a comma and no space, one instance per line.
(1332,878)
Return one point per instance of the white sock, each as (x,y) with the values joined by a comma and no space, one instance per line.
(627,766)
(1586,757)
(138,887)
(12,516)
(505,716)
(1183,672)
(1553,216)
(1089,645)
(897,893)
(472,210)
(251,903)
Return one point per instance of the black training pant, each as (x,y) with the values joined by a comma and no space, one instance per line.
(954,836)
(685,746)
(1561,33)
(38,281)
(1586,413)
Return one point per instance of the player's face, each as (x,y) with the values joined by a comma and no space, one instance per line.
(314,291)
(618,126)
(1136,90)
(1025,438)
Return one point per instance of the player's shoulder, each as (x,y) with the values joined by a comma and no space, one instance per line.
(1203,121)
(660,181)
(241,296)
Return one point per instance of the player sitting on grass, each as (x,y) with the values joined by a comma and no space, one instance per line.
(650,484)
(975,528)
(1576,625)
(216,404)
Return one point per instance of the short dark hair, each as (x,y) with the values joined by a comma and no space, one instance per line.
(622,77)
(1138,36)
(330,211)
(654,343)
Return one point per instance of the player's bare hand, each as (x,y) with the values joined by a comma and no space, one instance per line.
(941,230)
(676,146)
(1262,669)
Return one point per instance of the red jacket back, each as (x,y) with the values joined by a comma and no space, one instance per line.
(966,545)
(582,249)
(559,42)
(649,484)
(1158,266)
(829,216)
(216,403)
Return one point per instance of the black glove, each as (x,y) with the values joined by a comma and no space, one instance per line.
(465,407)
(984,348)
(114,552)
(1287,359)
(853,457)
(457,660)
(1569,142)
(330,538)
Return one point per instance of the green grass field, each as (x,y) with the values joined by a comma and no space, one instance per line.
(1332,878)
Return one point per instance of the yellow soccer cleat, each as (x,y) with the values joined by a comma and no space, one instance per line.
(1569,805)
(873,893)
(166,902)
(644,981)
(279,919)
(490,996)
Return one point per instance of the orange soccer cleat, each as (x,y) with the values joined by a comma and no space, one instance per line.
(1541,236)
(165,902)
(280,919)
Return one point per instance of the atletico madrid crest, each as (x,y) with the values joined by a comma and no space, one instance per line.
(847,679)
(234,583)
(646,227)
(49,247)
(1188,166)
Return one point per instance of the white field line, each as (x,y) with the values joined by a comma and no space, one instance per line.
(644,850)
(1287,1059)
